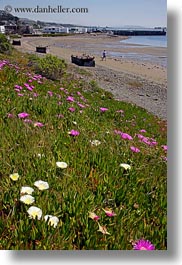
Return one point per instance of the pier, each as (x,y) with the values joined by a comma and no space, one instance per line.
(139,32)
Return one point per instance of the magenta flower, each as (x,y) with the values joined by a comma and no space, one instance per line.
(60,116)
(71,109)
(164,158)
(120,111)
(23,115)
(10,115)
(143,245)
(165,147)
(109,212)
(38,124)
(93,216)
(50,93)
(134,149)
(74,133)
(140,136)
(81,105)
(143,131)
(117,132)
(18,87)
(28,87)
(126,136)
(27,121)
(70,99)
(103,109)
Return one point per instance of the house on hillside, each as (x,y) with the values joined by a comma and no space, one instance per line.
(2,29)
(53,30)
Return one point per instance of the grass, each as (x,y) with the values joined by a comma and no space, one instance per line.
(93,180)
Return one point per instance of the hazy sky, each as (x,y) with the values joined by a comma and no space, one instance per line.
(147,13)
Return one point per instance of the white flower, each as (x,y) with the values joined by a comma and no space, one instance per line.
(125,166)
(27,199)
(61,165)
(14,176)
(41,185)
(52,220)
(74,122)
(95,142)
(26,190)
(103,230)
(34,212)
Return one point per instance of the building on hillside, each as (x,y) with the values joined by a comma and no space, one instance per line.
(53,30)
(2,29)
(78,30)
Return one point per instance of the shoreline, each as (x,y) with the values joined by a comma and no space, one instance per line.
(138,82)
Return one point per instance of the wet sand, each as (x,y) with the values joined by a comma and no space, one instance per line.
(140,82)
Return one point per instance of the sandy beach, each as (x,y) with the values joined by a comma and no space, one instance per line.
(141,82)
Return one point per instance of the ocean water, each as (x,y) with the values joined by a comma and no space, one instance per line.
(154,41)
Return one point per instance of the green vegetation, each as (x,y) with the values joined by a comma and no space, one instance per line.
(37,118)
(49,66)
(5,46)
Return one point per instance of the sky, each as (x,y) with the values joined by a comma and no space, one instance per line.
(111,13)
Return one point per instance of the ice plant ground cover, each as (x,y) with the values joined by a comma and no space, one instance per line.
(93,179)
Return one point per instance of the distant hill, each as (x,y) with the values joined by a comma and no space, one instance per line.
(7,16)
(4,16)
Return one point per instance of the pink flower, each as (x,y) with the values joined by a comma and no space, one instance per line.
(120,111)
(109,212)
(93,216)
(143,131)
(17,89)
(126,136)
(38,124)
(74,133)
(164,158)
(60,116)
(71,109)
(50,93)
(23,115)
(81,105)
(143,245)
(134,149)
(117,132)
(70,99)
(140,136)
(10,115)
(20,94)
(165,147)
(103,109)
(27,121)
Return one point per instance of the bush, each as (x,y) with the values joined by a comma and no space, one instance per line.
(50,66)
(5,45)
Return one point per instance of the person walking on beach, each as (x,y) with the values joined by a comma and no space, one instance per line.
(104,55)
